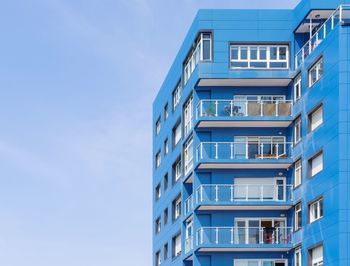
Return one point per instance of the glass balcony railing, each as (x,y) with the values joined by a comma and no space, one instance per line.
(188,205)
(241,108)
(188,244)
(340,15)
(231,194)
(243,150)
(241,236)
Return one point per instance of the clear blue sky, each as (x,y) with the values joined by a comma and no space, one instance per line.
(77,81)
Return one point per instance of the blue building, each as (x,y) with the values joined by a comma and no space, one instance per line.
(251,140)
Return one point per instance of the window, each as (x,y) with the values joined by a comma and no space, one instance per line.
(158,259)
(316,118)
(166,216)
(188,155)
(316,210)
(165,251)
(188,115)
(316,164)
(177,208)
(297,88)
(166,146)
(201,52)
(297,130)
(158,159)
(166,181)
(177,170)
(158,191)
(158,225)
(315,72)
(166,112)
(297,256)
(297,216)
(257,262)
(176,245)
(259,56)
(316,256)
(158,126)
(177,96)
(297,173)
(177,134)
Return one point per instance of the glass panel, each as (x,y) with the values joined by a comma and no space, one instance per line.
(244,53)
(253,232)
(206,50)
(234,53)
(262,51)
(283,53)
(253,53)
(273,53)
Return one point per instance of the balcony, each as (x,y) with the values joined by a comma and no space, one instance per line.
(244,113)
(188,244)
(271,154)
(340,16)
(244,239)
(247,197)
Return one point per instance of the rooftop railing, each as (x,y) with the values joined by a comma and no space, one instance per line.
(241,108)
(243,150)
(340,15)
(228,194)
(226,236)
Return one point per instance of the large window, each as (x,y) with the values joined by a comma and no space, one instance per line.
(201,52)
(188,115)
(176,208)
(297,256)
(315,72)
(297,216)
(297,173)
(177,170)
(316,118)
(316,256)
(259,56)
(188,155)
(177,96)
(297,130)
(297,88)
(177,135)
(176,245)
(316,164)
(316,210)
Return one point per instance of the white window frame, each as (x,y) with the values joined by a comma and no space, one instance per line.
(297,130)
(314,124)
(177,206)
(158,259)
(158,159)
(260,262)
(298,173)
(158,225)
(318,68)
(315,208)
(177,170)
(158,191)
(313,169)
(298,209)
(268,59)
(177,134)
(166,146)
(297,88)
(196,55)
(177,95)
(297,256)
(188,115)
(158,126)
(188,155)
(316,261)
(177,245)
